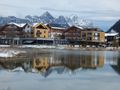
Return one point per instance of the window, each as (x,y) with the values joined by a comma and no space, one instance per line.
(89,38)
(96,34)
(96,38)
(89,33)
(28,26)
(38,33)
(83,34)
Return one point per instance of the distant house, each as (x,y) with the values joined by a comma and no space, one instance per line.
(93,36)
(84,36)
(111,36)
(115,28)
(10,34)
(72,33)
(11,31)
(56,30)
(40,31)
(26,28)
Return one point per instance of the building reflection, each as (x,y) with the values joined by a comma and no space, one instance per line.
(41,63)
(48,62)
(72,62)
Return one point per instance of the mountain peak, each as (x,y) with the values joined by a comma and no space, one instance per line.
(46,13)
(115,27)
(60,20)
(46,17)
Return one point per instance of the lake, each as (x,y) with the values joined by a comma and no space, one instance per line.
(61,70)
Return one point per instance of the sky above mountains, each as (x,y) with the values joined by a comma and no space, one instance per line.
(103,12)
(88,9)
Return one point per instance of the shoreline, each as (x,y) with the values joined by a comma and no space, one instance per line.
(10,52)
(59,47)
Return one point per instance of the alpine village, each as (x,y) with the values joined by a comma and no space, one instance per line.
(57,34)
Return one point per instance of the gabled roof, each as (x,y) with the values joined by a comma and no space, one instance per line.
(11,28)
(40,25)
(9,25)
(34,24)
(19,25)
(73,28)
(26,25)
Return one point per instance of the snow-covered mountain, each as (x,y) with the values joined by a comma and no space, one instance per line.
(61,21)
(47,18)
(9,19)
(77,21)
(115,27)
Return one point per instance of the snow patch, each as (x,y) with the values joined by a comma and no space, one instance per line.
(9,53)
(37,46)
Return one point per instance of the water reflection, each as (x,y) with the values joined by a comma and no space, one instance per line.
(61,62)
(116,66)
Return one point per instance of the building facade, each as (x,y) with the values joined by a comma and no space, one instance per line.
(55,31)
(92,36)
(27,28)
(72,33)
(40,31)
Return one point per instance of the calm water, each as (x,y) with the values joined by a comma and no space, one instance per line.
(78,66)
(47,61)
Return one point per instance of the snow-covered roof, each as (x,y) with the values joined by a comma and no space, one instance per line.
(34,24)
(57,28)
(19,25)
(80,27)
(111,34)
(22,24)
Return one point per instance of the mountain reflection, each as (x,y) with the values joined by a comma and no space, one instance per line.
(116,67)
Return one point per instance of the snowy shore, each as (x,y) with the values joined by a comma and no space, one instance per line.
(9,52)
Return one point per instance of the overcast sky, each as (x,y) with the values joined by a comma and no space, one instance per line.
(89,9)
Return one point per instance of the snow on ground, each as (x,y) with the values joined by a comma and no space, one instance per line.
(83,80)
(37,46)
(2,46)
(9,53)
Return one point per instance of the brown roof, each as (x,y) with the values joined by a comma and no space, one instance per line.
(10,29)
(72,28)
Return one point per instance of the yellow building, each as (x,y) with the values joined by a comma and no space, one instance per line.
(102,37)
(92,35)
(40,31)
